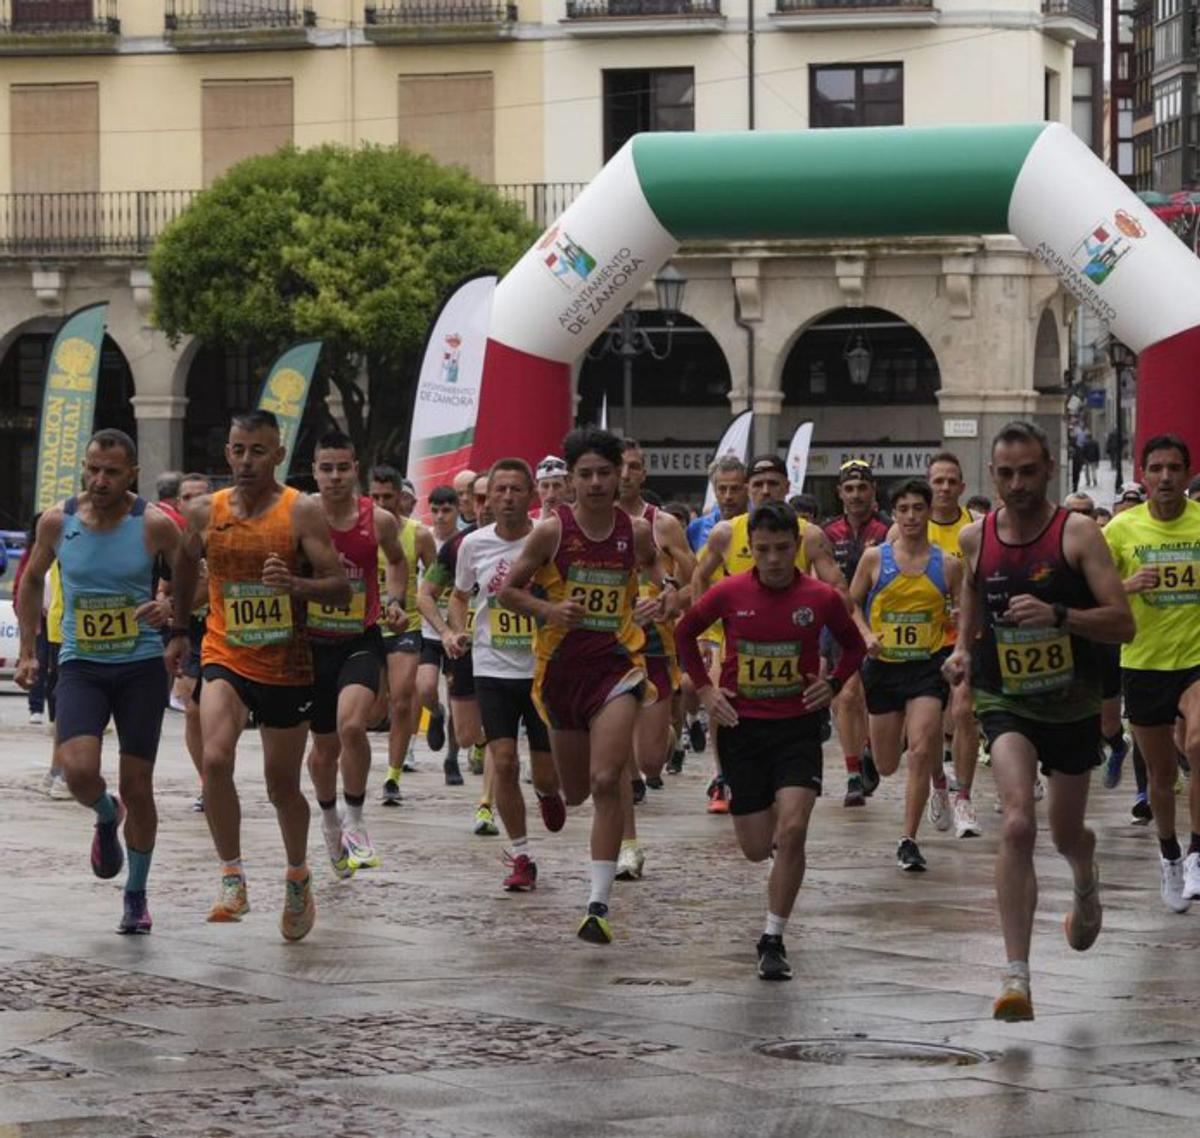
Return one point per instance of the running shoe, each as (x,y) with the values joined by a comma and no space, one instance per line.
(697,735)
(485,822)
(1039,789)
(453,774)
(1141,814)
(908,856)
(1172,885)
(553,810)
(1015,1002)
(198,804)
(675,762)
(107,855)
(339,852)
(1112,768)
(639,791)
(1082,923)
(410,759)
(47,782)
(360,853)
(655,782)
(135,920)
(966,823)
(299,909)
(232,902)
(717,801)
(475,760)
(60,791)
(391,793)
(938,809)
(869,773)
(772,959)
(175,703)
(630,862)
(1184,765)
(1178,787)
(854,792)
(522,873)
(435,736)
(594,928)
(1191,876)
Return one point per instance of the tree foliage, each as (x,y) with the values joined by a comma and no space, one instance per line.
(356,248)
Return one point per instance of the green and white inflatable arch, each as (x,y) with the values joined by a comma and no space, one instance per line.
(1036,181)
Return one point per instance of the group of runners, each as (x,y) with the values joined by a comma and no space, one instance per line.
(565,610)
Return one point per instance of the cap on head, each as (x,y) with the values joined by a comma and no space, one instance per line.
(1132,492)
(406,487)
(856,470)
(767,464)
(551,467)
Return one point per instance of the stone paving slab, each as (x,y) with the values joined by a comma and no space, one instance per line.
(428,1003)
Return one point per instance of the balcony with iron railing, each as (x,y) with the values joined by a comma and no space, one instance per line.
(1071,20)
(66,25)
(220,24)
(445,20)
(646,17)
(126,223)
(813,15)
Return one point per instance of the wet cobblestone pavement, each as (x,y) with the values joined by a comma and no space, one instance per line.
(427,1003)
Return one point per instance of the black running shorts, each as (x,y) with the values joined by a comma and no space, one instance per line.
(504,704)
(134,695)
(889,687)
(1152,698)
(1065,748)
(270,705)
(759,757)
(337,665)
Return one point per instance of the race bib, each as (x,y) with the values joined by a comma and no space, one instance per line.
(256,615)
(341,620)
(510,630)
(105,625)
(769,671)
(1178,576)
(1034,660)
(906,635)
(601,592)
(471,622)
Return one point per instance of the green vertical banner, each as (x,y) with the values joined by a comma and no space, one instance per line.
(68,404)
(285,393)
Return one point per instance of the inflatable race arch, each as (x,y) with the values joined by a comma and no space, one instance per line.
(1036,181)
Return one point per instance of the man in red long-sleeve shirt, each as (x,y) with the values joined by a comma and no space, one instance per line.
(769,735)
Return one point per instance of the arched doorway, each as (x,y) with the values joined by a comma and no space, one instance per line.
(22,375)
(680,403)
(223,381)
(869,381)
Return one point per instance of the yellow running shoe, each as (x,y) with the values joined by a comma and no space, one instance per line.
(232,902)
(1015,1002)
(299,909)
(594,928)
(485,822)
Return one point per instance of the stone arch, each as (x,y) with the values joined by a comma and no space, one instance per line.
(1047,353)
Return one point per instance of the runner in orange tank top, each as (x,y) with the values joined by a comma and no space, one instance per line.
(257,539)
(582,563)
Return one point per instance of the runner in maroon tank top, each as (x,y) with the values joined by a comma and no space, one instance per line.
(582,563)
(348,651)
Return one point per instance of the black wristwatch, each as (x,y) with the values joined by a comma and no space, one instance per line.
(178,632)
(835,684)
(1060,614)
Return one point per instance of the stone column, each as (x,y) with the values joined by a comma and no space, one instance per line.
(160,437)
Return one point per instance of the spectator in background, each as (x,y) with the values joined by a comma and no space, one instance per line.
(167,490)
(1194,488)
(979,506)
(1091,459)
(806,506)
(1103,516)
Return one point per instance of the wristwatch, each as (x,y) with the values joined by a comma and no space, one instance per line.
(178,632)
(835,684)
(1060,614)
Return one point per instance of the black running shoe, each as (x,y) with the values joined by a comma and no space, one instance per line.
(908,857)
(436,735)
(697,736)
(639,791)
(594,928)
(655,783)
(675,762)
(869,772)
(772,959)
(825,719)
(391,793)
(453,774)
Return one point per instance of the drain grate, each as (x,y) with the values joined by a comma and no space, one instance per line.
(649,982)
(862,1052)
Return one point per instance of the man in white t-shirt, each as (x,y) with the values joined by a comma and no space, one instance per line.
(501,643)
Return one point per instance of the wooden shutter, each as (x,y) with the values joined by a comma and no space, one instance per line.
(241,118)
(451,118)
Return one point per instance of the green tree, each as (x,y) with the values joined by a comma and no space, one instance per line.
(356,248)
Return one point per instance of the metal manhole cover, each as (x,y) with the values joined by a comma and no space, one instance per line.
(862,1052)
(649,982)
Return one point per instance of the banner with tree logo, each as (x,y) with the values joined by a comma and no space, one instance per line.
(285,394)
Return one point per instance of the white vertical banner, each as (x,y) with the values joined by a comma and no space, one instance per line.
(735,441)
(797,457)
(447,399)
(604,412)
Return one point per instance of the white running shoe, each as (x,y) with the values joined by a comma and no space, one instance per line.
(1039,789)
(359,851)
(1172,885)
(59,790)
(966,823)
(176,703)
(339,856)
(939,809)
(47,782)
(630,861)
(35,717)
(1191,876)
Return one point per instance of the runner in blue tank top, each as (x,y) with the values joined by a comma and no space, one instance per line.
(111,661)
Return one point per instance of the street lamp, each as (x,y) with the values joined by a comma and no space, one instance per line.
(1122,361)
(625,339)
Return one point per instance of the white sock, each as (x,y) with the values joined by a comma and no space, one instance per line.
(775,925)
(520,846)
(603,873)
(354,817)
(1018,969)
(331,820)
